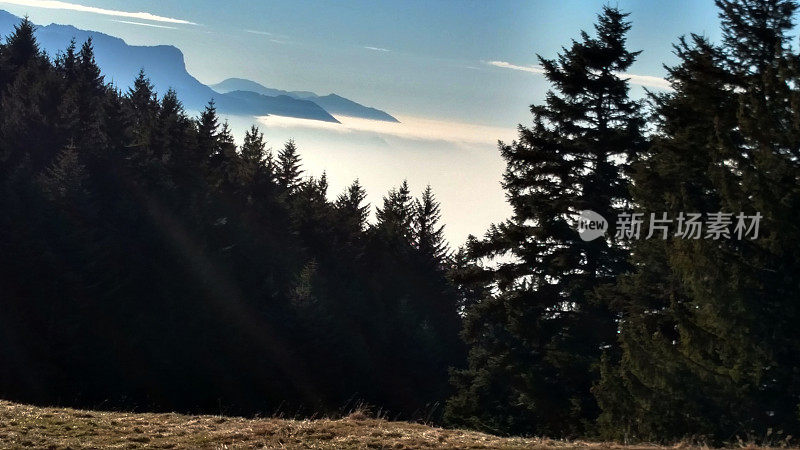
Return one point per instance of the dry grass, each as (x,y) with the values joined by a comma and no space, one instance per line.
(23,426)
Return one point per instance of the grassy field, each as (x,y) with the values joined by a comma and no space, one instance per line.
(23,426)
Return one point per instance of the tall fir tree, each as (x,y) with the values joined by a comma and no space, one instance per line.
(288,171)
(708,345)
(536,342)
(396,217)
(428,233)
(351,206)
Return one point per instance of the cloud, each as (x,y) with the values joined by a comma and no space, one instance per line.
(410,127)
(507,65)
(276,38)
(129,22)
(262,33)
(377,49)
(52,4)
(641,80)
(647,80)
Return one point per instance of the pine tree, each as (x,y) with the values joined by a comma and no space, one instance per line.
(91,91)
(88,72)
(707,345)
(254,150)
(536,343)
(288,170)
(396,218)
(67,62)
(226,169)
(352,208)
(20,49)
(29,85)
(428,234)
(142,110)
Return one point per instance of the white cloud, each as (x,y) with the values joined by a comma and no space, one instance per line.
(641,80)
(410,127)
(53,4)
(130,22)
(262,33)
(377,49)
(507,65)
(647,80)
(276,38)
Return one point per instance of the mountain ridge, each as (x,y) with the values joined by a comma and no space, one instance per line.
(333,103)
(165,66)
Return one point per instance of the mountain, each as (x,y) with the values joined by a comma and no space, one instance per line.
(165,66)
(240,84)
(280,105)
(332,103)
(335,104)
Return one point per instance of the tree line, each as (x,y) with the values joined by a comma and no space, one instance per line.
(148,261)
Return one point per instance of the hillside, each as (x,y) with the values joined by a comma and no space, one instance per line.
(23,426)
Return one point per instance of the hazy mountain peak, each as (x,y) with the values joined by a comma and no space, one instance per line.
(333,103)
(166,68)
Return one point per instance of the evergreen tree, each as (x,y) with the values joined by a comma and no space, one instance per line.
(19,50)
(66,63)
(142,110)
(428,234)
(351,206)
(287,171)
(254,151)
(708,349)
(30,89)
(91,90)
(535,344)
(395,219)
(208,128)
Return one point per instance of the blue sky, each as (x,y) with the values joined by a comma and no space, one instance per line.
(426,58)
(459,75)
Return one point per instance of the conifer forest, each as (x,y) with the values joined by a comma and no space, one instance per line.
(150,262)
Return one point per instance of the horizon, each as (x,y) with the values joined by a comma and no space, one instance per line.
(454,106)
(371,58)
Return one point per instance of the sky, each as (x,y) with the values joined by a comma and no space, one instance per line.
(437,59)
(459,74)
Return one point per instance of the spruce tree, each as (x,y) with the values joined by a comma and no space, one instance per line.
(142,110)
(396,217)
(709,345)
(91,92)
(428,233)
(352,208)
(208,127)
(536,342)
(254,149)
(288,170)
(66,62)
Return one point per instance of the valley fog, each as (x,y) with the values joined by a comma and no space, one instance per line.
(465,170)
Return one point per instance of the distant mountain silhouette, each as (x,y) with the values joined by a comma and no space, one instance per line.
(280,105)
(165,66)
(332,103)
